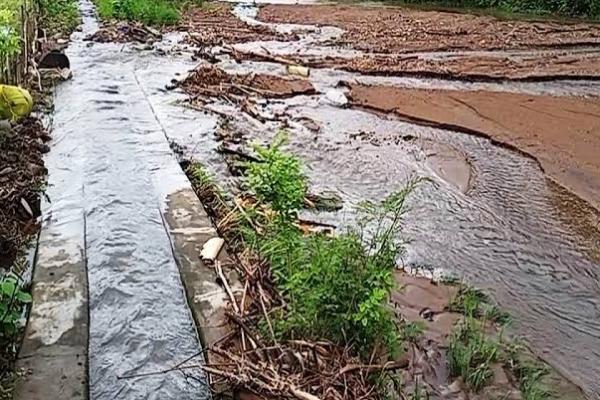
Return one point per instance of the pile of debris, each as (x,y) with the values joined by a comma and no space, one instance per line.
(402,30)
(124,32)
(22,177)
(217,26)
(211,81)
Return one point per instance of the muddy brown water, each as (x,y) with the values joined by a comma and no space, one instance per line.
(502,226)
(489,216)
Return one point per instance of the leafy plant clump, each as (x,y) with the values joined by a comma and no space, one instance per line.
(10,43)
(13,300)
(471,353)
(59,16)
(277,178)
(335,287)
(150,12)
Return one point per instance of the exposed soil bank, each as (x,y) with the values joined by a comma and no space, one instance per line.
(562,133)
(400,30)
(22,175)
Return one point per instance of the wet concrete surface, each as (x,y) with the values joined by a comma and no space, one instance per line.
(111,163)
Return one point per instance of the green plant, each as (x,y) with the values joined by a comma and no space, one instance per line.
(12,301)
(151,12)
(277,179)
(59,15)
(471,353)
(336,288)
(10,42)
(474,303)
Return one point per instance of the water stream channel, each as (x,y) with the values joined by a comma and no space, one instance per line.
(507,229)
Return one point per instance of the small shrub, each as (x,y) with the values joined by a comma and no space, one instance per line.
(336,288)
(277,179)
(474,303)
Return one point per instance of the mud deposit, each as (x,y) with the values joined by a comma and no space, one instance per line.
(563,134)
(212,81)
(447,45)
(393,30)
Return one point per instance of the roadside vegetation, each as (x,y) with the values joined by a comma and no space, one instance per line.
(150,12)
(588,9)
(308,290)
(59,16)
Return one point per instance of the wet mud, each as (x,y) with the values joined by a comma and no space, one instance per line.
(563,134)
(446,45)
(215,25)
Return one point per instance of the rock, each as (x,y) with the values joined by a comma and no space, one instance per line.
(336,98)
(325,201)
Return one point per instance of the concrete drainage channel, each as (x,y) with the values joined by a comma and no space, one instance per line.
(121,231)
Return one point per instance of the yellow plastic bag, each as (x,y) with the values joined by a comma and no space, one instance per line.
(15,102)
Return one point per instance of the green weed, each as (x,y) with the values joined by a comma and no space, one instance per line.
(474,303)
(59,15)
(277,179)
(151,12)
(471,353)
(412,331)
(12,301)
(336,288)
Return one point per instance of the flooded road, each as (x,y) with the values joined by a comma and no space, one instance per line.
(490,215)
(111,160)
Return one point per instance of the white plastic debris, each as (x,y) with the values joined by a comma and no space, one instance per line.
(211,249)
(297,70)
(336,98)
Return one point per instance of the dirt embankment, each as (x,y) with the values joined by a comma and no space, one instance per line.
(562,133)
(394,40)
(22,175)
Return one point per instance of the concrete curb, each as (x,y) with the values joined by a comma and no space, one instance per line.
(54,349)
(190,227)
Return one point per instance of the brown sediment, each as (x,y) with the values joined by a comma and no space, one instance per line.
(212,26)
(397,30)
(213,81)
(561,133)
(22,176)
(123,32)
(404,42)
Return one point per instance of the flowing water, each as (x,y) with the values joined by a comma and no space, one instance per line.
(111,160)
(503,226)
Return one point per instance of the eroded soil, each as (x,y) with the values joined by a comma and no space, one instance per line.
(448,45)
(401,30)
(562,133)
(22,175)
